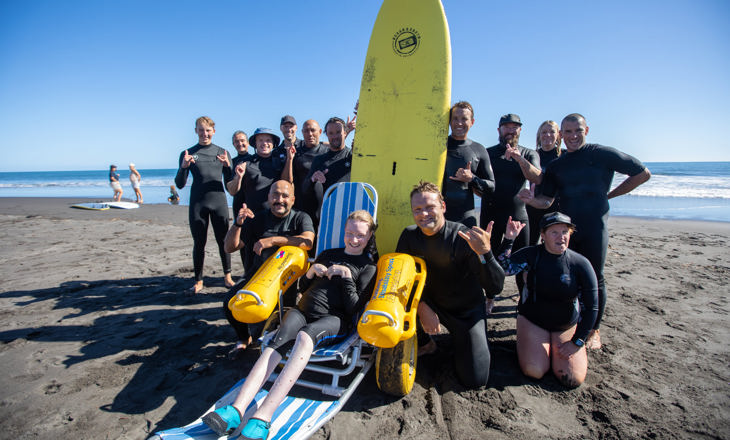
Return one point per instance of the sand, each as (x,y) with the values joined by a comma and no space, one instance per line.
(98,341)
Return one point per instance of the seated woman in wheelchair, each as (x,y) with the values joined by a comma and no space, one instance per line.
(335,287)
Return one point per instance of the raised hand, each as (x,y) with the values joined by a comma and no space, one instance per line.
(223,158)
(512,153)
(243,214)
(527,195)
(240,169)
(463,174)
(187,160)
(478,238)
(513,228)
(319,176)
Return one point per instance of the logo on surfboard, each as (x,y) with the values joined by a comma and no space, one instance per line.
(406,41)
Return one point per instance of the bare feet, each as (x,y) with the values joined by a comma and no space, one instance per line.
(594,340)
(238,349)
(427,348)
(228,280)
(490,305)
(197,287)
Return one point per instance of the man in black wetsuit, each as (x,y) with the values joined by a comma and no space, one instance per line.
(461,268)
(240,143)
(512,165)
(302,163)
(331,167)
(582,177)
(207,162)
(261,234)
(467,169)
(288,127)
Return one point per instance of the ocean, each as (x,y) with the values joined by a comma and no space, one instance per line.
(677,190)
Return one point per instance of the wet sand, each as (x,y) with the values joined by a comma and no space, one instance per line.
(97,339)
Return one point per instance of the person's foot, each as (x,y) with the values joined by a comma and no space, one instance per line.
(427,348)
(490,305)
(256,429)
(224,420)
(594,340)
(197,288)
(228,280)
(239,349)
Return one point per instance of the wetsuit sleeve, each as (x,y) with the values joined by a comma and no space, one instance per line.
(491,274)
(483,181)
(354,291)
(588,294)
(511,264)
(181,178)
(620,162)
(549,185)
(227,170)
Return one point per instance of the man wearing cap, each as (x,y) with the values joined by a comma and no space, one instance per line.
(512,165)
(261,234)
(467,169)
(288,127)
(331,167)
(302,163)
(582,177)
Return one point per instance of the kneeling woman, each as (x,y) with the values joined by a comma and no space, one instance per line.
(333,287)
(558,305)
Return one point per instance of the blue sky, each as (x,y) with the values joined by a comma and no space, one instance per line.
(88,83)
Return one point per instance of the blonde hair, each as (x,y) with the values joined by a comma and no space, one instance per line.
(557,131)
(204,120)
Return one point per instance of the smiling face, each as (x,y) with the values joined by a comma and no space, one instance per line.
(281,198)
(428,211)
(289,130)
(357,235)
(574,134)
(264,144)
(461,121)
(548,137)
(240,143)
(556,238)
(336,135)
(509,133)
(205,133)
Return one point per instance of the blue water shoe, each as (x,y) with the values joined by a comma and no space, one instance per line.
(256,429)
(223,420)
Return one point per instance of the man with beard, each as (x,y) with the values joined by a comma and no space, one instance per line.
(582,177)
(467,169)
(512,165)
(261,234)
(461,269)
(333,166)
(302,163)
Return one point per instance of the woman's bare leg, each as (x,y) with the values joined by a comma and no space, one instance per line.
(533,348)
(260,371)
(570,371)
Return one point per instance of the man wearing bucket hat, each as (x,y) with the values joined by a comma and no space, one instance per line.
(559,305)
(582,178)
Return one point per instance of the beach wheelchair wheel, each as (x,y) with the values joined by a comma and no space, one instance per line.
(395,368)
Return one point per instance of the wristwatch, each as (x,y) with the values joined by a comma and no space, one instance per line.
(579,342)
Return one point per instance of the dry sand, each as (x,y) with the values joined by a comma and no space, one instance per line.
(97,340)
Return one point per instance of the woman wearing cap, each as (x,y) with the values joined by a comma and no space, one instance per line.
(114,183)
(558,305)
(548,148)
(135,179)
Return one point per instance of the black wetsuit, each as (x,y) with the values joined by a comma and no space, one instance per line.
(207,202)
(240,197)
(459,196)
(457,281)
(536,214)
(582,180)
(326,309)
(561,290)
(504,202)
(301,165)
(263,225)
(338,165)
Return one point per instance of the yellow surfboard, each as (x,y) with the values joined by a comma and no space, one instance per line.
(402,120)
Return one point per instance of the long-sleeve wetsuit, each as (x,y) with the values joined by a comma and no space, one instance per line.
(459,196)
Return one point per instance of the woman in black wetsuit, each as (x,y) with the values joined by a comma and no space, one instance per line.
(558,305)
(208,163)
(548,148)
(333,287)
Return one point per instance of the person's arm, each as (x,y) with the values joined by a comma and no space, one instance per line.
(630,184)
(588,294)
(540,202)
(233,242)
(530,167)
(288,172)
(354,290)
(483,181)
(510,265)
(305,240)
(181,178)
(481,259)
(234,185)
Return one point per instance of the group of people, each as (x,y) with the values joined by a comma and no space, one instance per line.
(277,192)
(134,178)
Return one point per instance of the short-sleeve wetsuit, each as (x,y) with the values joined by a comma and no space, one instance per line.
(536,214)
(561,290)
(582,180)
(338,165)
(459,196)
(207,201)
(457,281)
(326,309)
(503,203)
(263,225)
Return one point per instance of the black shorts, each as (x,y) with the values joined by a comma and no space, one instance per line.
(324,331)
